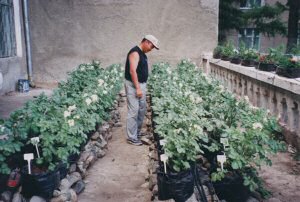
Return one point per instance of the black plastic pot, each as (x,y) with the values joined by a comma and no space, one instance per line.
(42,184)
(231,189)
(225,58)
(266,67)
(217,56)
(175,185)
(288,72)
(248,63)
(3,182)
(236,60)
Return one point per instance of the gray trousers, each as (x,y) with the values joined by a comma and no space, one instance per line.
(136,109)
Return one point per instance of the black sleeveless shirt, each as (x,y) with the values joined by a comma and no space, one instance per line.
(142,68)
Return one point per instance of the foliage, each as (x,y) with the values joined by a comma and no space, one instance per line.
(265,18)
(273,56)
(288,62)
(63,120)
(228,49)
(218,50)
(193,112)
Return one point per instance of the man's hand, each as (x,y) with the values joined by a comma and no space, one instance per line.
(139,93)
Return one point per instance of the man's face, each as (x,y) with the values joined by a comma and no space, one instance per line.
(149,46)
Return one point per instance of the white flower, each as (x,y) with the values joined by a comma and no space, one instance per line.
(67,113)
(100,82)
(94,98)
(165,82)
(71,122)
(198,100)
(71,108)
(104,92)
(246,98)
(77,117)
(221,88)
(82,69)
(257,126)
(88,101)
(2,128)
(85,95)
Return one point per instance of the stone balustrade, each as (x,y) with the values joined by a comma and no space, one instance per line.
(265,89)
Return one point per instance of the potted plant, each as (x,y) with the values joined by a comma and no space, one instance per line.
(227,51)
(266,63)
(236,58)
(248,56)
(288,67)
(217,52)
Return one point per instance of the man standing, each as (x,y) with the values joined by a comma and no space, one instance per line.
(136,75)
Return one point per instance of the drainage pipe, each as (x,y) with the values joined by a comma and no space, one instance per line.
(27,40)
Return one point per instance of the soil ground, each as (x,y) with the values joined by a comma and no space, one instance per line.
(283,178)
(118,176)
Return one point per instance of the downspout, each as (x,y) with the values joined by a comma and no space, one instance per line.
(27,41)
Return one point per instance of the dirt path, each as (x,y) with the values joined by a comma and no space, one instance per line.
(118,176)
(283,178)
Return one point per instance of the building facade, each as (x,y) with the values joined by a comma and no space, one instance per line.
(250,35)
(67,33)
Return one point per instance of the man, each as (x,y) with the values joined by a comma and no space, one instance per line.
(136,75)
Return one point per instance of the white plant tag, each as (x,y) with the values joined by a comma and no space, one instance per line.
(224,141)
(221,159)
(35,141)
(162,142)
(28,157)
(164,158)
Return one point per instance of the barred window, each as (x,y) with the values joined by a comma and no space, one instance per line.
(7,29)
(250,37)
(248,4)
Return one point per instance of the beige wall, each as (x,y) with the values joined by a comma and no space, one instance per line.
(66,33)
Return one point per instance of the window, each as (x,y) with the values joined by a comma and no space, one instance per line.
(7,29)
(250,37)
(247,4)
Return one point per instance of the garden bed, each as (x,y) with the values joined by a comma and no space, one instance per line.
(202,124)
(63,124)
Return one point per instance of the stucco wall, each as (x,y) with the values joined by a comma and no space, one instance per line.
(66,33)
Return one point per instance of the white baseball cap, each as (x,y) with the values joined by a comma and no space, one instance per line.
(153,40)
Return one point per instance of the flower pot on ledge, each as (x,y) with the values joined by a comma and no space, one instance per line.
(288,72)
(225,58)
(248,63)
(236,60)
(266,67)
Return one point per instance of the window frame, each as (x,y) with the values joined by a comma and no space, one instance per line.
(253,36)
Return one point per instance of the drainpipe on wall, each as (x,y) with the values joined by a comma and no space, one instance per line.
(27,40)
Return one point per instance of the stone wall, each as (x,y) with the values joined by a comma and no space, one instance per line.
(265,89)
(66,33)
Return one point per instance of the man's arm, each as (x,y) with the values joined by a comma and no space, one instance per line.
(133,62)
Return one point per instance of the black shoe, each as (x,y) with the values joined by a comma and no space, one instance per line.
(134,142)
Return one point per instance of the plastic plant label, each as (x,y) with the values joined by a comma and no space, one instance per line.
(224,141)
(162,142)
(35,141)
(28,157)
(164,158)
(221,159)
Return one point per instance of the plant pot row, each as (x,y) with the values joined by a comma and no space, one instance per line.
(282,71)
